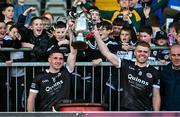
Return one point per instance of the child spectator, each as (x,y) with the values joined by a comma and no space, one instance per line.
(172,29)
(178,35)
(105,29)
(35,37)
(127,8)
(95,15)
(17,74)
(146,35)
(46,23)
(5,57)
(60,39)
(8,12)
(19,8)
(49,15)
(47,26)
(126,44)
(8,25)
(117,26)
(161,40)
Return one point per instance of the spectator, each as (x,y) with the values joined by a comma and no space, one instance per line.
(126,44)
(170,85)
(140,90)
(52,86)
(146,34)
(172,10)
(95,16)
(5,57)
(8,12)
(35,37)
(49,15)
(178,35)
(47,26)
(8,25)
(161,40)
(117,26)
(127,8)
(17,75)
(19,9)
(46,23)
(60,39)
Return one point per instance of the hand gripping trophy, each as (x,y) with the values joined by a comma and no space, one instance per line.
(81,26)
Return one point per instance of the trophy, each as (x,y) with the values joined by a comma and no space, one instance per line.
(80,29)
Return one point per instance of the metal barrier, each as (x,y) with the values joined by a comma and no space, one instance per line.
(88,82)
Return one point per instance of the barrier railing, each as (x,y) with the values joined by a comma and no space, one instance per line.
(88,82)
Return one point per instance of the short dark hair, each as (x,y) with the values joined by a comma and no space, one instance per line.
(13,26)
(55,50)
(59,24)
(10,23)
(6,6)
(147,29)
(105,24)
(118,22)
(34,18)
(125,28)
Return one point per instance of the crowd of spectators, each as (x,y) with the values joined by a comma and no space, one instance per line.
(120,30)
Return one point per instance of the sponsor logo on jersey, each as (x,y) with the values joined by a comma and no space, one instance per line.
(155,53)
(55,85)
(131,77)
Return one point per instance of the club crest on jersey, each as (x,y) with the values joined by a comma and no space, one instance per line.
(59,74)
(149,75)
(54,79)
(155,53)
(140,73)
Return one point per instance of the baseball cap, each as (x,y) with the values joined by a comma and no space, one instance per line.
(161,34)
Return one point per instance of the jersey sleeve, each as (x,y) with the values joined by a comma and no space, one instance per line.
(35,85)
(156,82)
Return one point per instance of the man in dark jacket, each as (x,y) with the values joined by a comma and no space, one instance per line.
(170,81)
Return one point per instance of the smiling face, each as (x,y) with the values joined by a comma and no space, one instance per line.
(56,61)
(141,53)
(37,27)
(2,30)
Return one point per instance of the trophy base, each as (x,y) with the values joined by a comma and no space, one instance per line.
(80,45)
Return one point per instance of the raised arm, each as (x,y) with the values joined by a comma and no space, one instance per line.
(104,49)
(71,60)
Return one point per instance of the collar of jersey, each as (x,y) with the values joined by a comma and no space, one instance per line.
(147,65)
